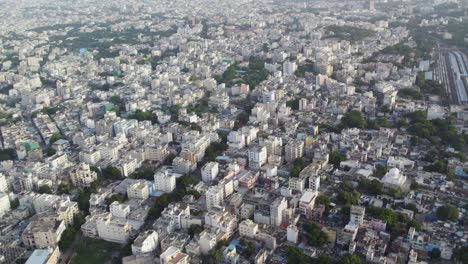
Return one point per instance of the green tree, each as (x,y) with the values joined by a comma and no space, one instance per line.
(67,239)
(14,204)
(461,255)
(350,259)
(250,248)
(435,253)
(54,138)
(194,230)
(354,119)
(51,151)
(374,187)
(111,173)
(348,198)
(64,188)
(45,189)
(296,256)
(78,220)
(447,212)
(336,158)
(315,236)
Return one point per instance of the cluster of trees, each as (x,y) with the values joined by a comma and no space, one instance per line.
(297,256)
(298,165)
(303,69)
(215,149)
(200,108)
(397,223)
(294,104)
(215,255)
(409,93)
(436,130)
(349,33)
(7,154)
(252,75)
(315,236)
(336,158)
(371,187)
(143,116)
(45,189)
(348,198)
(447,212)
(354,119)
(143,173)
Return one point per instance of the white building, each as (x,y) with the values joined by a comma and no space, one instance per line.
(214,196)
(210,171)
(83,176)
(248,228)
(119,210)
(165,180)
(173,255)
(222,220)
(138,190)
(307,202)
(4,204)
(393,179)
(207,241)
(294,150)
(357,214)
(289,68)
(276,211)
(113,229)
(3,184)
(292,234)
(257,156)
(297,183)
(146,243)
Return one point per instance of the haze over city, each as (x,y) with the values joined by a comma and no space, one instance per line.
(233,132)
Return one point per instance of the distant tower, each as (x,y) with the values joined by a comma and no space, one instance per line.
(371,5)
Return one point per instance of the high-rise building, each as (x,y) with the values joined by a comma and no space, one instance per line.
(371,5)
(214,196)
(356,215)
(294,150)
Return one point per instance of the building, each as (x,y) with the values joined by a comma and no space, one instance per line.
(276,211)
(297,183)
(393,179)
(289,68)
(210,171)
(347,234)
(292,233)
(44,256)
(372,5)
(214,196)
(82,175)
(113,229)
(307,202)
(4,204)
(248,228)
(43,233)
(294,150)
(356,215)
(165,180)
(257,156)
(207,241)
(146,243)
(3,184)
(222,220)
(138,190)
(173,255)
